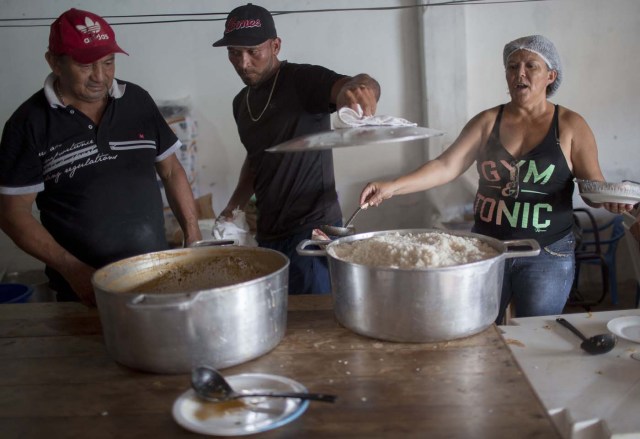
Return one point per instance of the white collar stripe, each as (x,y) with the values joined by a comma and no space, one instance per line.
(116,91)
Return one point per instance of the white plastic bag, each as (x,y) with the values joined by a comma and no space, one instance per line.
(237,229)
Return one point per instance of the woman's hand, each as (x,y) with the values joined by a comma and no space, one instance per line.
(617,208)
(375,193)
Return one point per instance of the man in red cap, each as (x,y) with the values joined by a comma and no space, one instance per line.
(295,193)
(86,149)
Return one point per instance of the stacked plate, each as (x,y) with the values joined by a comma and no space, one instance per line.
(626,192)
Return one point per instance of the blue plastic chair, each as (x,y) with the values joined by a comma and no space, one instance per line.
(634,250)
(601,249)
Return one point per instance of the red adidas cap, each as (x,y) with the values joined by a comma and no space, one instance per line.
(82,35)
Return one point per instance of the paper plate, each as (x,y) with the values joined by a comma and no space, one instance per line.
(367,135)
(626,327)
(610,198)
(242,416)
(626,192)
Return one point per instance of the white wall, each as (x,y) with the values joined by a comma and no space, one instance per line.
(451,53)
(177,60)
(598,44)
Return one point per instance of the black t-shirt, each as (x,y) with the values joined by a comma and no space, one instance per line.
(294,191)
(98,192)
(525,198)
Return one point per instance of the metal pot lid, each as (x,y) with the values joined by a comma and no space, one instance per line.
(343,137)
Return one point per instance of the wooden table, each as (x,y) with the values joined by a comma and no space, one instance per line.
(57,380)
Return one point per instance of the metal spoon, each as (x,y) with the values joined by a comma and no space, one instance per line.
(209,384)
(347,229)
(598,344)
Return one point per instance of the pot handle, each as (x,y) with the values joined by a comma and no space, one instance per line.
(301,247)
(155,301)
(519,253)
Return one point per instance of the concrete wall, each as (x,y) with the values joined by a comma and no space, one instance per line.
(174,61)
(598,45)
(438,66)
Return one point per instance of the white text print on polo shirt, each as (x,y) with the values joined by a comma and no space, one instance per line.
(68,161)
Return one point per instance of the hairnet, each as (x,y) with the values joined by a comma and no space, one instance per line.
(542,47)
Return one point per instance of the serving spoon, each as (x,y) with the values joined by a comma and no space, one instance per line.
(598,344)
(345,230)
(209,384)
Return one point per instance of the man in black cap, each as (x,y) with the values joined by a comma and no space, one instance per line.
(295,192)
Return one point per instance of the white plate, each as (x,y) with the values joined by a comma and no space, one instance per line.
(243,416)
(626,327)
(603,197)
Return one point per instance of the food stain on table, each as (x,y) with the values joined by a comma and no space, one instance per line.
(514,342)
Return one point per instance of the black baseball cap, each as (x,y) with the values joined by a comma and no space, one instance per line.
(248,25)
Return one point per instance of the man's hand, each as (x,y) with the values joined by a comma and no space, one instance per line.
(227,213)
(360,90)
(79,274)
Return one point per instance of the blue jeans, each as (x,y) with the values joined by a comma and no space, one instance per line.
(307,274)
(539,285)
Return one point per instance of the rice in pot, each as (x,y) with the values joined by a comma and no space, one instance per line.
(413,250)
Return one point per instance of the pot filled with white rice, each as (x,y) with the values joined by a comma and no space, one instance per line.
(417,285)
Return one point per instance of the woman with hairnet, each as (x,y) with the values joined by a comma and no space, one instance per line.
(527,153)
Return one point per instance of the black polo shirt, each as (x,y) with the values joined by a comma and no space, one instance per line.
(294,191)
(98,192)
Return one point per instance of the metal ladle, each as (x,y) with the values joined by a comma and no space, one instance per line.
(598,344)
(347,229)
(209,384)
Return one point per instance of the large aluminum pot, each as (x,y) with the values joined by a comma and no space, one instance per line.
(168,311)
(423,304)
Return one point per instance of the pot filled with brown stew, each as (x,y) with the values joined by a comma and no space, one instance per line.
(417,285)
(168,311)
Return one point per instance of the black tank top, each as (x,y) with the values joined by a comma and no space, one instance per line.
(528,197)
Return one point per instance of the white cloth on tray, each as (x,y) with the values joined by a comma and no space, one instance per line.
(346,117)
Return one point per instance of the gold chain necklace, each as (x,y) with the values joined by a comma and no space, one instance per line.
(273,87)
